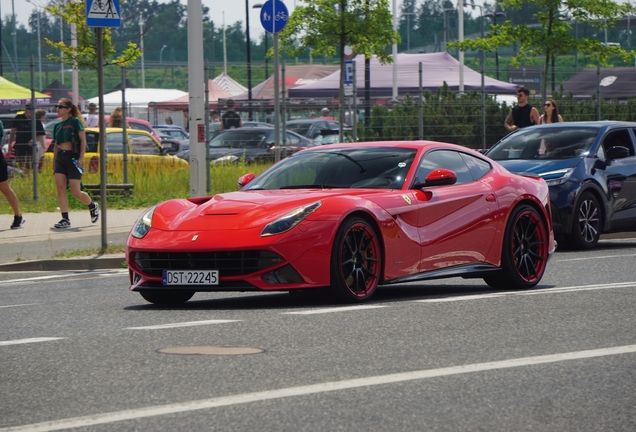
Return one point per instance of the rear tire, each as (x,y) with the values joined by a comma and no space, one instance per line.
(586,223)
(166,297)
(525,251)
(355,261)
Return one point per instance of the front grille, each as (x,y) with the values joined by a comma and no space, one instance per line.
(228,263)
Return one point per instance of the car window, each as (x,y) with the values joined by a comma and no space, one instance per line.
(143,144)
(477,167)
(446,159)
(293,139)
(377,168)
(91,142)
(618,138)
(140,126)
(115,143)
(238,139)
(545,143)
(299,128)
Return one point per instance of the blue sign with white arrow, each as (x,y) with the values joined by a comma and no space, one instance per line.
(274,16)
(103,13)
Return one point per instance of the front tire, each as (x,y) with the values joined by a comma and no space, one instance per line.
(586,223)
(355,261)
(525,251)
(164,297)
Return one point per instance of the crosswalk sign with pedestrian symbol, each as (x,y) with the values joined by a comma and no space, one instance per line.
(103,13)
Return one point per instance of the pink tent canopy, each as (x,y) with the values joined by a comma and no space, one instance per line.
(437,69)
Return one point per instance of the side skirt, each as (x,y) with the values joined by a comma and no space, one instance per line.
(467,271)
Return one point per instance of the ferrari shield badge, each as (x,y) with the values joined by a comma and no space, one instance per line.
(407,199)
(195,237)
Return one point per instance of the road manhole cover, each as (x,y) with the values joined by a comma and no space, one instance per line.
(210,350)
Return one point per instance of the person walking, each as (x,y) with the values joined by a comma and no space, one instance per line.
(41,116)
(21,133)
(550,113)
(91,119)
(522,115)
(230,119)
(6,190)
(70,145)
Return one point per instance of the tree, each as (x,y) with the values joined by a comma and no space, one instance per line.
(326,26)
(85,54)
(553,36)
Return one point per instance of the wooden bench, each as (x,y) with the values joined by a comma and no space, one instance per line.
(123,189)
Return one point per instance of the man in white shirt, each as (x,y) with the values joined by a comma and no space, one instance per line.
(91,119)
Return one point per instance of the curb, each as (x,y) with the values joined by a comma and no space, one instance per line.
(117,261)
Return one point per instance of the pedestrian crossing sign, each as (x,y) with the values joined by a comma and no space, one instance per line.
(103,13)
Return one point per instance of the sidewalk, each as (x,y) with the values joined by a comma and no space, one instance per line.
(35,245)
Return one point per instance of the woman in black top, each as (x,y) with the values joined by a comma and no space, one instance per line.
(69,149)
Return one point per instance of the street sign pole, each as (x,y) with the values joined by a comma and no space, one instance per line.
(274,17)
(100,14)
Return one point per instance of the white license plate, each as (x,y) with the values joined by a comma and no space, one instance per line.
(190,277)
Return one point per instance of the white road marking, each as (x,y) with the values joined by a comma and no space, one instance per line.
(20,305)
(330,310)
(31,340)
(66,275)
(456,298)
(596,257)
(182,324)
(153,411)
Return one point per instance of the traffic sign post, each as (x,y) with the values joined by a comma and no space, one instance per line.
(274,16)
(100,14)
(103,13)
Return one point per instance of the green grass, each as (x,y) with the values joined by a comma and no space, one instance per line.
(150,187)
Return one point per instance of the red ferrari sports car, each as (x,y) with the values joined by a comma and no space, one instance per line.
(347,218)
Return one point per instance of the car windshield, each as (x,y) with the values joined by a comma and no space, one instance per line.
(545,143)
(239,139)
(367,167)
(299,128)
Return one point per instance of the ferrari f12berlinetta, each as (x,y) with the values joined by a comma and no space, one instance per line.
(347,218)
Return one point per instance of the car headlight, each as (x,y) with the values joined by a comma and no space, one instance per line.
(290,220)
(558,177)
(143,224)
(226,159)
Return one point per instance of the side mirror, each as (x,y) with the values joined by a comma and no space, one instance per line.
(438,177)
(617,152)
(245,179)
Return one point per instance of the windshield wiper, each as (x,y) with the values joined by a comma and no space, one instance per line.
(349,158)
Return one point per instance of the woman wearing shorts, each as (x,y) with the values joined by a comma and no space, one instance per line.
(18,220)
(69,162)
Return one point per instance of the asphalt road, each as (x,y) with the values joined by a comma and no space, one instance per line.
(447,355)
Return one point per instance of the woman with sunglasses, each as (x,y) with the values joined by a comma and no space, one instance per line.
(69,160)
(550,113)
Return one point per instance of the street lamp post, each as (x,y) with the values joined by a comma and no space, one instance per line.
(39,46)
(494,21)
(141,46)
(249,59)
(258,6)
(161,53)
(15,45)
(408,29)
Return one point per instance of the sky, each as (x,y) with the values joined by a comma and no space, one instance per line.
(233,11)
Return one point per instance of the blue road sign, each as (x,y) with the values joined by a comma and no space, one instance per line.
(103,13)
(348,72)
(274,16)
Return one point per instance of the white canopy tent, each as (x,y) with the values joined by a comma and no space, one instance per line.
(137,100)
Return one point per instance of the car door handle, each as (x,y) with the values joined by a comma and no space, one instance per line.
(491,198)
